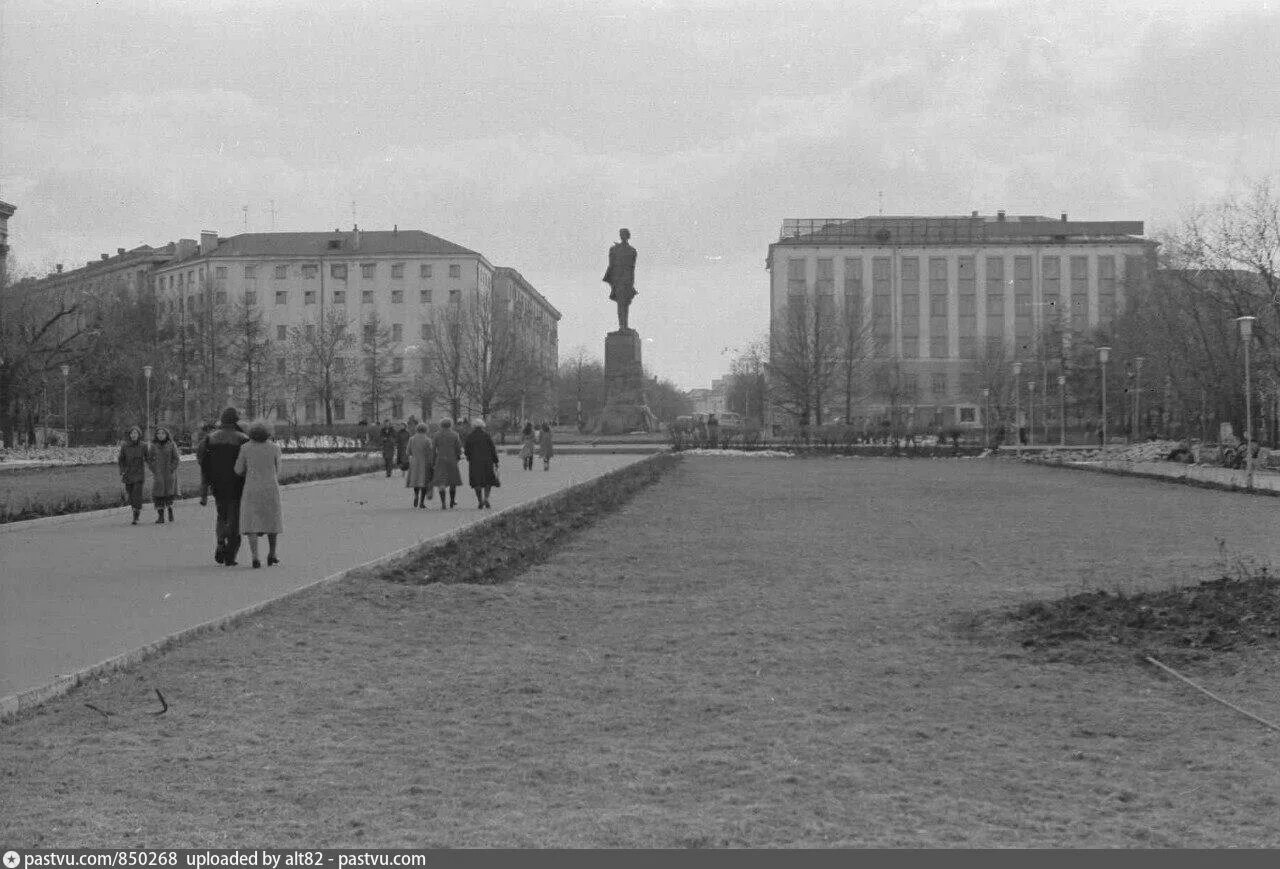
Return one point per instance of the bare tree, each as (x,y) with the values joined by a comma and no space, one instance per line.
(804,358)
(443,358)
(748,388)
(493,352)
(382,368)
(249,351)
(320,350)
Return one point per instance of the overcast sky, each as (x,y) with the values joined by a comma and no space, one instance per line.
(532,132)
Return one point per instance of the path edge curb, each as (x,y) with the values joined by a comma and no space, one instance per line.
(1162,478)
(13,705)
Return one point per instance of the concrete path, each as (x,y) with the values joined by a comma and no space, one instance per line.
(1266,480)
(79,590)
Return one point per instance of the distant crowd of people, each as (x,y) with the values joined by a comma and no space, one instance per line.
(240,467)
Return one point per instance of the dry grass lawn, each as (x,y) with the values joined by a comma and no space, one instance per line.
(752,653)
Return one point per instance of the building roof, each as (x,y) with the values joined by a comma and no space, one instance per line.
(975,229)
(123,259)
(371,243)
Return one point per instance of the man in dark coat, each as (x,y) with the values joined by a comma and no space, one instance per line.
(219,468)
(621,276)
(387,440)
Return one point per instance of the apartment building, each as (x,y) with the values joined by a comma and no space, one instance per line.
(938,298)
(403,279)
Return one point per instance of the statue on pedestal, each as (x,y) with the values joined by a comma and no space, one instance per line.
(621,276)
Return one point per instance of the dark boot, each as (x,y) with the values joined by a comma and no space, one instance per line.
(159,515)
(443,505)
(137,512)
(170,512)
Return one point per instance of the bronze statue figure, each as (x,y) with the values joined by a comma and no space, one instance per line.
(621,276)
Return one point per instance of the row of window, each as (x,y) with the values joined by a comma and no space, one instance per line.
(939,305)
(309,271)
(310,410)
(938,280)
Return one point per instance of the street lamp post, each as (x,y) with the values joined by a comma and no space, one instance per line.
(1246,334)
(1062,409)
(66,370)
(1137,398)
(146,422)
(1017,407)
(1104,353)
(1031,411)
(185,384)
(986,416)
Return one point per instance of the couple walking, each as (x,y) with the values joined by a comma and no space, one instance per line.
(534,440)
(161,458)
(433,463)
(244,474)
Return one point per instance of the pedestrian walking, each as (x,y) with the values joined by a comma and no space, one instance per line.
(422,459)
(528,442)
(205,430)
(545,448)
(132,461)
(221,452)
(402,446)
(482,463)
(713,430)
(162,460)
(259,464)
(448,450)
(387,440)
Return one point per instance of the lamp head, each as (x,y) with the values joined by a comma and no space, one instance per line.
(1017,369)
(1104,354)
(1246,326)
(1062,380)
(66,369)
(146,371)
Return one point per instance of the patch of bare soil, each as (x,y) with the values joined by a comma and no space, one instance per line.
(1186,624)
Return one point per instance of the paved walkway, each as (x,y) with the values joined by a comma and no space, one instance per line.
(79,590)
(1264,480)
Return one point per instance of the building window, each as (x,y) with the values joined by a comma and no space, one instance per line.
(938,275)
(938,306)
(910,274)
(282,333)
(424,297)
(397,408)
(368,332)
(910,346)
(339,409)
(969,306)
(309,297)
(910,306)
(967,414)
(427,331)
(826,277)
(1022,275)
(455,271)
(309,411)
(338,271)
(938,384)
(1051,275)
(424,271)
(366,270)
(1079,275)
(995,275)
(1106,275)
(455,295)
(282,409)
(397,332)
(251,273)
(1052,305)
(282,297)
(340,364)
(220,273)
(191,303)
(938,346)
(910,386)
(995,304)
(995,345)
(339,297)
(397,271)
(280,363)
(1022,305)
(250,298)
(967,348)
(309,272)
(853,276)
(220,297)
(282,272)
(366,297)
(397,366)
(309,331)
(397,297)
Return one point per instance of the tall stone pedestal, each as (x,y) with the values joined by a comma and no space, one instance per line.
(625,408)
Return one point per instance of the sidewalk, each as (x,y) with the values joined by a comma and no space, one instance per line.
(79,590)
(1264,481)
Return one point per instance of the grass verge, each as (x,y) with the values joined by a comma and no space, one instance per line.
(37,492)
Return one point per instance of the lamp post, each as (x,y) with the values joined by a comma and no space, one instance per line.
(146,422)
(1137,398)
(66,370)
(986,415)
(1062,409)
(1104,353)
(1246,334)
(185,384)
(1017,407)
(1031,411)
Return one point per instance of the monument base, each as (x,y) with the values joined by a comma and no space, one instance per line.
(625,408)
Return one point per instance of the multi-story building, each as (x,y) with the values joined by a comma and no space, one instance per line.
(401,280)
(938,300)
(6,211)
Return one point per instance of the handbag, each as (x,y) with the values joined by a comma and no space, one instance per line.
(497,484)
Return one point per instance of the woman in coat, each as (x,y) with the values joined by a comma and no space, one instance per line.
(387,440)
(528,442)
(482,463)
(545,449)
(132,462)
(402,447)
(162,459)
(448,449)
(259,464)
(422,459)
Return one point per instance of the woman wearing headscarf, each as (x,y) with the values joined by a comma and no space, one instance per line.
(528,442)
(132,462)
(482,462)
(422,458)
(162,459)
(259,464)
(448,450)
